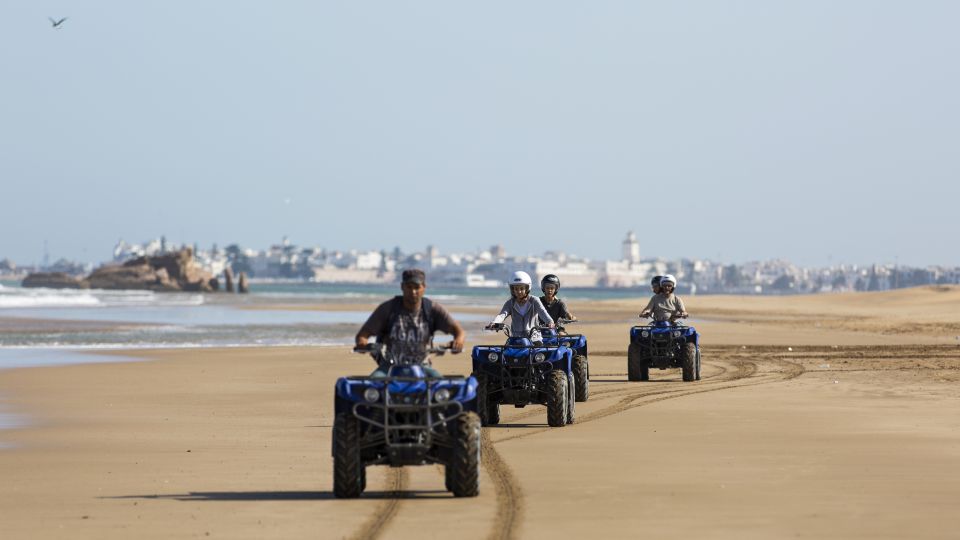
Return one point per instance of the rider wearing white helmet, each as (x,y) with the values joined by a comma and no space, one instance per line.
(523,309)
(665,306)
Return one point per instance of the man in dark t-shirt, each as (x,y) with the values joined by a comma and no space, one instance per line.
(405,324)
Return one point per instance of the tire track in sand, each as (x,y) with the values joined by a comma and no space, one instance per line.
(507,488)
(745,370)
(394,485)
(509,495)
(723,374)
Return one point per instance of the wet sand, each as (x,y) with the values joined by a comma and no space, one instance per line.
(829,416)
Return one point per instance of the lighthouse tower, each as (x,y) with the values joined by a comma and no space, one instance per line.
(631,248)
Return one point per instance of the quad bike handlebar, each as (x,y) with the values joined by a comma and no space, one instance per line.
(377,349)
(679,316)
(562,324)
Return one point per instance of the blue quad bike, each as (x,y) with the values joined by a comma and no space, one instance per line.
(519,373)
(663,345)
(406,418)
(578,344)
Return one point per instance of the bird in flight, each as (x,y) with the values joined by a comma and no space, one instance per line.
(56,24)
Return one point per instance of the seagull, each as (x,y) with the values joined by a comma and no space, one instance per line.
(56,24)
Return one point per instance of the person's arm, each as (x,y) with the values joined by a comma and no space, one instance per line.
(459,337)
(566,312)
(646,311)
(542,311)
(447,324)
(681,307)
(504,312)
(374,324)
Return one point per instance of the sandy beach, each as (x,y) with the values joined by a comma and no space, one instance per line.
(827,416)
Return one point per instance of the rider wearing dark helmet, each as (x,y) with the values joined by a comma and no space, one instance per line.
(557,308)
(655,284)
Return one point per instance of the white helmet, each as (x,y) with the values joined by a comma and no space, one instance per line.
(668,279)
(521,278)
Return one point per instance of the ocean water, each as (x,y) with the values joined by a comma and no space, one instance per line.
(48,326)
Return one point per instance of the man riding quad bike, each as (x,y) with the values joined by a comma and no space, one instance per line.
(405,417)
(405,412)
(557,308)
(665,343)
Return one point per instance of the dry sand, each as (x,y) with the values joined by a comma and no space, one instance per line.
(831,416)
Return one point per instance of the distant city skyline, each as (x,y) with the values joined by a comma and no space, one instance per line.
(490,267)
(104,253)
(815,132)
(629,250)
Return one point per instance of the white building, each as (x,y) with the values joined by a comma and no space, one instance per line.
(631,248)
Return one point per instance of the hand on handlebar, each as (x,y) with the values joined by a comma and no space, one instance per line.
(365,348)
(645,314)
(453,347)
(456,346)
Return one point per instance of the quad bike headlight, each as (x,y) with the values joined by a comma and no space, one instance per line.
(645,333)
(493,357)
(676,333)
(372,395)
(539,357)
(441,395)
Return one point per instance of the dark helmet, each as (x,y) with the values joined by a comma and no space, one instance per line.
(655,282)
(550,279)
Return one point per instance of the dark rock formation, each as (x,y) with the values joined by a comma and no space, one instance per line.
(228,279)
(242,283)
(168,272)
(54,280)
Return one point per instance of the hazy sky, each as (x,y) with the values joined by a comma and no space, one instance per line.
(820,132)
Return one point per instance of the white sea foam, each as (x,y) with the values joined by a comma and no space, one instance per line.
(47,300)
(56,347)
(56,298)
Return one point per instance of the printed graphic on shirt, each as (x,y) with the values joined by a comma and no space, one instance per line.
(408,339)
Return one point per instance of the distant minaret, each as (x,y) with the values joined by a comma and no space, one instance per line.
(631,248)
(46,255)
(163,244)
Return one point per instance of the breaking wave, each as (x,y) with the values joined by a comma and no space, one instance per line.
(55,298)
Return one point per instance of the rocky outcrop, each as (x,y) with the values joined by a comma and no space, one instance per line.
(228,279)
(168,272)
(54,280)
(242,283)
